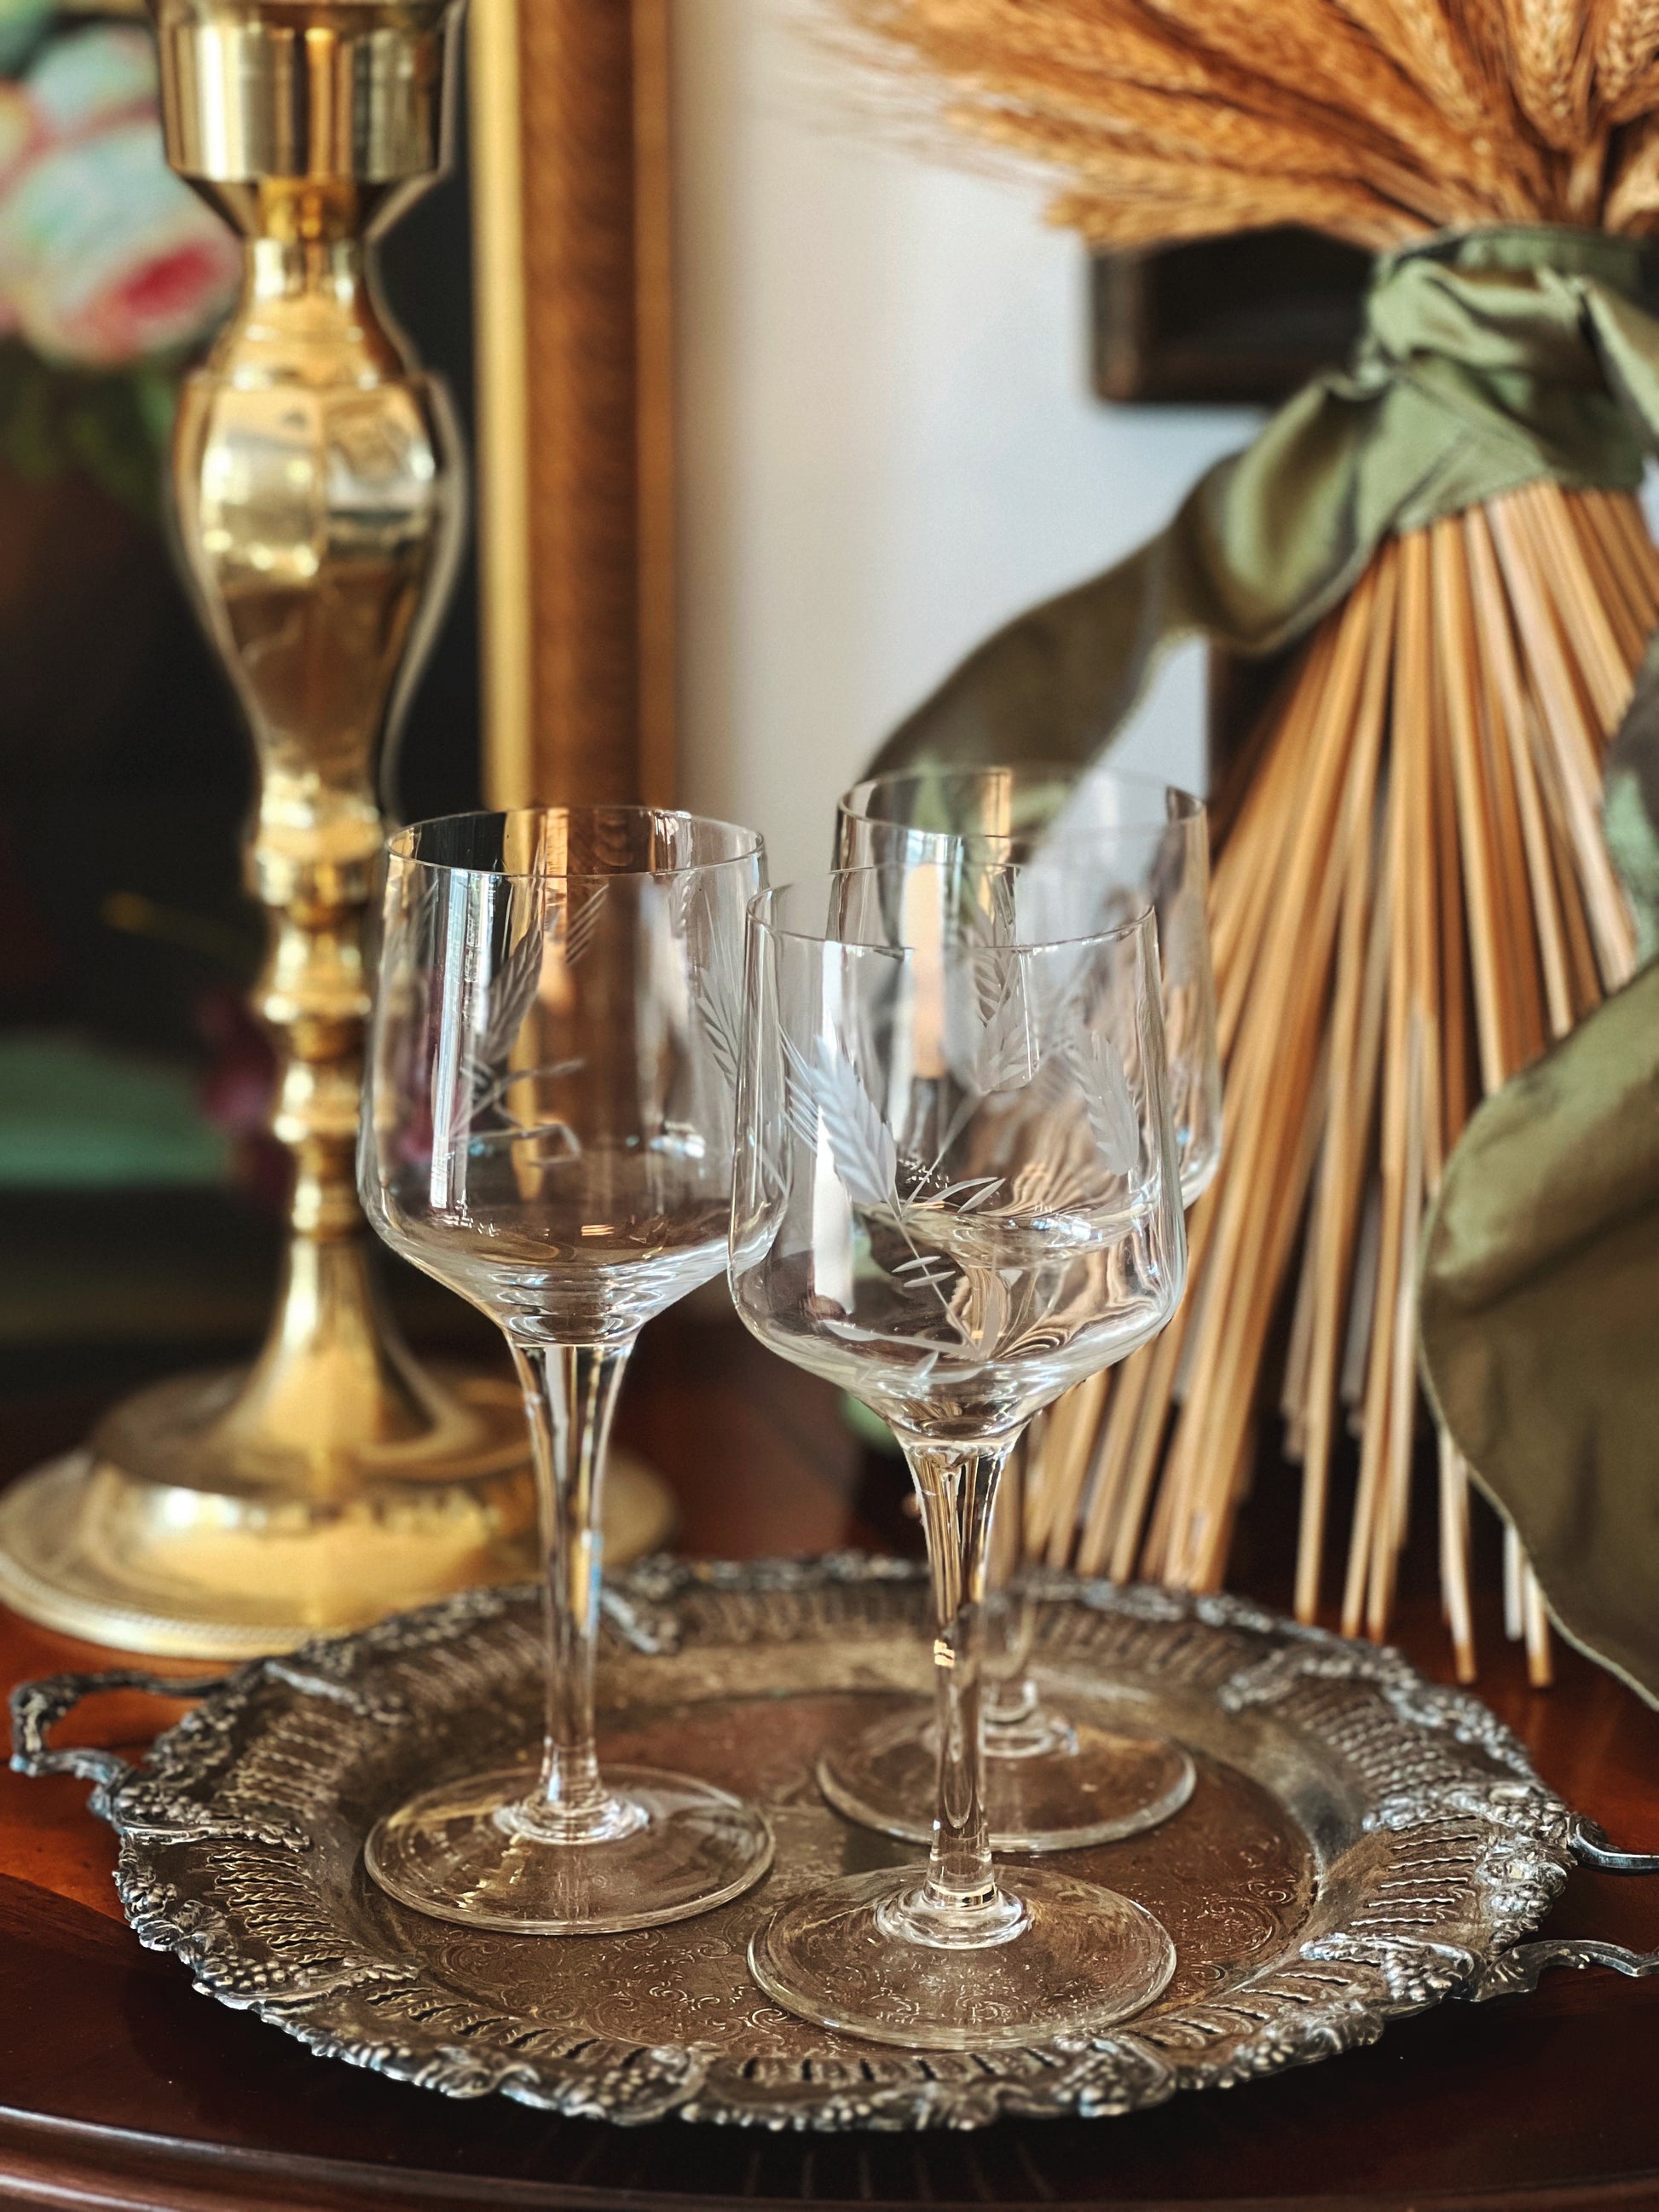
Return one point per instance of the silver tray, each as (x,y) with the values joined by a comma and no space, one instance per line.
(1360,1845)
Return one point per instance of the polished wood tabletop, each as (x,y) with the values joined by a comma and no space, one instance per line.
(119,2086)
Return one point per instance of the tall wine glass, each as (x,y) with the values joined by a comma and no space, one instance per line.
(955,1196)
(549,1131)
(1057,1777)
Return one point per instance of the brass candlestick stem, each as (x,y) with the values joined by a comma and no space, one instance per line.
(318,498)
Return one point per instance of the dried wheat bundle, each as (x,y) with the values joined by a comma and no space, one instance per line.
(1411,897)
(1379,121)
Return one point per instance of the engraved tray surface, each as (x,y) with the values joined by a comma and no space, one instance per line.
(1360,1845)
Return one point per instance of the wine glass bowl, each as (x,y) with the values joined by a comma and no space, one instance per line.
(1015,1215)
(549,1132)
(956,1195)
(560,1135)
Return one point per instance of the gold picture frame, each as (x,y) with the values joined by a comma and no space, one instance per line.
(570,176)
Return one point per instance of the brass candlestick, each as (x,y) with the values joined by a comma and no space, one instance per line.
(318,498)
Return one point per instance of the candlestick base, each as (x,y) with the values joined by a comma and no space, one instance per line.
(170,1532)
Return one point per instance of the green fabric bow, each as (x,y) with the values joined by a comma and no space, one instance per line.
(1489,359)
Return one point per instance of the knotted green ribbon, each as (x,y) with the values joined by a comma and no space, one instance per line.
(1489,359)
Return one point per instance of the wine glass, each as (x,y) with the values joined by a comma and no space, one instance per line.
(549,1130)
(956,1195)
(1057,1777)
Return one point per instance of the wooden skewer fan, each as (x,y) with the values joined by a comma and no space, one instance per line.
(1411,899)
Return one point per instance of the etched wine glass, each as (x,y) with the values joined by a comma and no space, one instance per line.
(549,1130)
(1061,1770)
(955,1196)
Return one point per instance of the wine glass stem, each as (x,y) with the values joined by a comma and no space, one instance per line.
(958,1489)
(570,1394)
(1012,1698)
(1010,1693)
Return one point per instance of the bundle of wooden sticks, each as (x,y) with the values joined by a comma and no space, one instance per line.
(1411,898)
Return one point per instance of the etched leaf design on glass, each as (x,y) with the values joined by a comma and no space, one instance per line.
(992,1028)
(511,993)
(716,986)
(1106,1095)
(828,1095)
(580,927)
(550,927)
(969,1194)
(930,1271)
(517,1098)
(491,1102)
(1006,1055)
(800,1105)
(980,1308)
(982,910)
(478,1027)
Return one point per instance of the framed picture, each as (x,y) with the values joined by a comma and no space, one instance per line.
(569,174)
(1226,319)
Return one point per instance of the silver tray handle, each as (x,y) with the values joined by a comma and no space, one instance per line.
(1590,1848)
(37,1707)
(1514,1972)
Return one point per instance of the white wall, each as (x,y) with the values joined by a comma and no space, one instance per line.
(888,443)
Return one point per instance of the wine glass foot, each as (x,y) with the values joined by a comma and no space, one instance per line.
(468,1852)
(1077,1959)
(1057,1784)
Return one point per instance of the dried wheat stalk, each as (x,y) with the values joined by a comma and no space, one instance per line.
(1550,57)
(1627,58)
(1446,112)
(1140,209)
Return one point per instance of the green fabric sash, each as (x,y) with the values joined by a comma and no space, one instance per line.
(1489,359)
(1539,1310)
(1538,1304)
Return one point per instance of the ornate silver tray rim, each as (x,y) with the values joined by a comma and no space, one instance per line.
(1443,1782)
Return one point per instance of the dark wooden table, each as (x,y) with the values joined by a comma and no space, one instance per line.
(121,2087)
